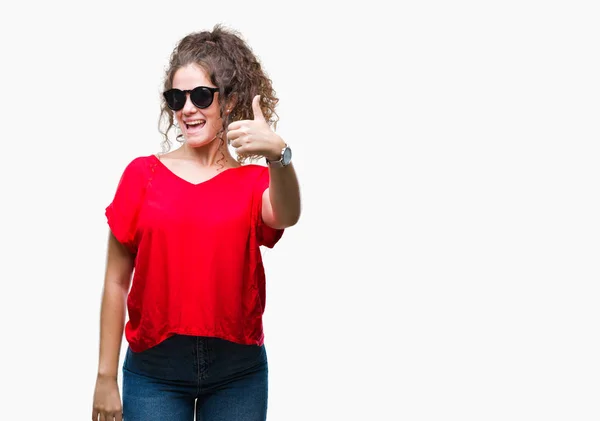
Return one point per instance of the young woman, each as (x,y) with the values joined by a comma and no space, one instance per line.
(188,224)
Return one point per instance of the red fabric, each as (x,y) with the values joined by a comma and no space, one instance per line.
(198,266)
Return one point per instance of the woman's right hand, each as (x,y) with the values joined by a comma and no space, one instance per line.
(107,400)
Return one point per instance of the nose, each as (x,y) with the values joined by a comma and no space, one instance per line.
(189,107)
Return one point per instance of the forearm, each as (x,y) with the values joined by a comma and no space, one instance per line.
(112,321)
(284,195)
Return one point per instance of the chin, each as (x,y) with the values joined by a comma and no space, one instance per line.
(197,142)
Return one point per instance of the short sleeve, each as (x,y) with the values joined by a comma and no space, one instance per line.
(265,235)
(122,212)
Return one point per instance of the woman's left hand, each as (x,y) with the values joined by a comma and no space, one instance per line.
(255,137)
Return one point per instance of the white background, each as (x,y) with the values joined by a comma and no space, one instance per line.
(446,263)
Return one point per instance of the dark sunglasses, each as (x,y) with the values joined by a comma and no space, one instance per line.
(201,96)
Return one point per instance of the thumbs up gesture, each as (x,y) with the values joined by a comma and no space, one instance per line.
(255,137)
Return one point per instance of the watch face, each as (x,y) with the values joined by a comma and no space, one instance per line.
(287,156)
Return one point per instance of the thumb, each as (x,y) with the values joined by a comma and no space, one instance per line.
(258,114)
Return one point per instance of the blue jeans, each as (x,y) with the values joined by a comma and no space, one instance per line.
(218,379)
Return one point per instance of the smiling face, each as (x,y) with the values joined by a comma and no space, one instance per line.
(199,126)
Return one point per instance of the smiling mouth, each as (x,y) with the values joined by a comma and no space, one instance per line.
(195,125)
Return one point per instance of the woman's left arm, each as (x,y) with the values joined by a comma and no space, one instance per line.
(281,200)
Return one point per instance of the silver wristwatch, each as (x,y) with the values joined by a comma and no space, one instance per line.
(284,161)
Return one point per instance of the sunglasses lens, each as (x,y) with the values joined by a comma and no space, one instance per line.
(201,97)
(175,99)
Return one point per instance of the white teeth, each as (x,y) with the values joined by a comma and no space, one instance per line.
(194,123)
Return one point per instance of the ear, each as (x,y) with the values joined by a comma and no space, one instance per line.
(231,102)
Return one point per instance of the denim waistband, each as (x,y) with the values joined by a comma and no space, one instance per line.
(196,360)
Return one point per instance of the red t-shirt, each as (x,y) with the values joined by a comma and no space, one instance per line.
(198,266)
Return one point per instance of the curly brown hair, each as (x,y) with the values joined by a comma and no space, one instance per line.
(232,67)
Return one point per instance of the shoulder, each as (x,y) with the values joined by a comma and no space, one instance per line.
(255,170)
(142,161)
(257,178)
(247,177)
(255,174)
(136,170)
(140,164)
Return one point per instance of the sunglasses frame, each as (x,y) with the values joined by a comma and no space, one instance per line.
(189,91)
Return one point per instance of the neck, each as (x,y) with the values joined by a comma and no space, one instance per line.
(213,154)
